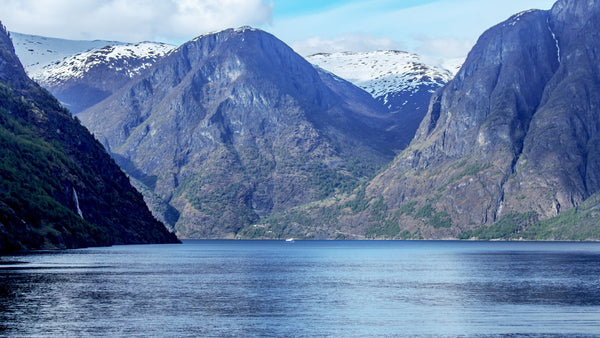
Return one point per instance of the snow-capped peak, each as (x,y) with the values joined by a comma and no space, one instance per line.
(241,29)
(383,72)
(130,59)
(36,52)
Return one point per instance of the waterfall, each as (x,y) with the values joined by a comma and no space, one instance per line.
(76,199)
(555,39)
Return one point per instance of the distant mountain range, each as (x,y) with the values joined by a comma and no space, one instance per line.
(402,82)
(395,78)
(83,73)
(58,186)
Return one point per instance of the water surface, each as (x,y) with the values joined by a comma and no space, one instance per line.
(308,288)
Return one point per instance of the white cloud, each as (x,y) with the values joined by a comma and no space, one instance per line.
(359,42)
(172,21)
(448,47)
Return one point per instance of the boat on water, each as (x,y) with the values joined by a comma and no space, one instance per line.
(290,240)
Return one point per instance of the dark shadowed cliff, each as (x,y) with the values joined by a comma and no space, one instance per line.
(58,186)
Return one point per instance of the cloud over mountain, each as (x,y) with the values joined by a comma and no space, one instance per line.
(358,42)
(131,20)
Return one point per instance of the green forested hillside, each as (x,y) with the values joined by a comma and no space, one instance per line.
(58,186)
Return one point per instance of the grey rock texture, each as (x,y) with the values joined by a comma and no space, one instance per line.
(516,131)
(234,125)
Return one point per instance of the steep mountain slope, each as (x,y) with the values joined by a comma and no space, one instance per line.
(403,82)
(84,79)
(510,141)
(515,133)
(234,125)
(58,187)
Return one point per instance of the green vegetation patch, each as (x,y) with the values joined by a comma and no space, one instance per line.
(579,223)
(407,209)
(329,181)
(387,229)
(432,217)
(292,223)
(508,226)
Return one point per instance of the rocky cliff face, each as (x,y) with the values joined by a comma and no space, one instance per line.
(516,132)
(234,125)
(58,186)
(511,141)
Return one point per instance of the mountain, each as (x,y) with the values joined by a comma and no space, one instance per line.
(36,52)
(80,79)
(397,79)
(234,125)
(514,134)
(58,186)
(511,142)
(403,82)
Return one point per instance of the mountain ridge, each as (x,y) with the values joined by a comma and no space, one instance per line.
(402,82)
(37,51)
(233,125)
(383,72)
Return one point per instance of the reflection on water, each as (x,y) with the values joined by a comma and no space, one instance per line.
(308,288)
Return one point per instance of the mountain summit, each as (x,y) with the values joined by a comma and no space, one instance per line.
(234,125)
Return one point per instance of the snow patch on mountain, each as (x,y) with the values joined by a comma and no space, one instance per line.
(130,59)
(517,17)
(383,72)
(36,52)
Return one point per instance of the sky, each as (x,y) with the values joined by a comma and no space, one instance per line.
(440,28)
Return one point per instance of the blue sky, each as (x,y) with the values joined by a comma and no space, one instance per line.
(441,28)
(291,8)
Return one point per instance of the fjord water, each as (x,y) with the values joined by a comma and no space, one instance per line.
(306,288)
